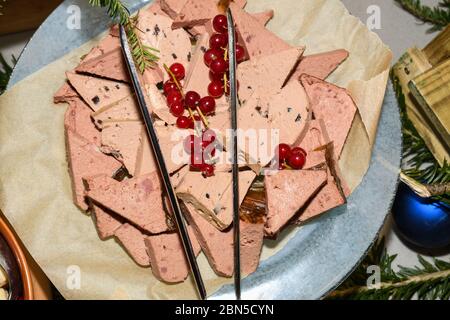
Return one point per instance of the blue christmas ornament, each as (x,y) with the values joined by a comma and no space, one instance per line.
(422,222)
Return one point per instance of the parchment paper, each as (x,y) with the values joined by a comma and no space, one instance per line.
(35,189)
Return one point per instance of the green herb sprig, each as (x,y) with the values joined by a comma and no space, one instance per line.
(144,56)
(428,281)
(438,16)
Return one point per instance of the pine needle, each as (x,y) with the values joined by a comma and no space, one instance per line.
(428,281)
(143,55)
(5,72)
(438,16)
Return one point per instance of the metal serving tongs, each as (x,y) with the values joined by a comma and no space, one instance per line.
(233,109)
(181,226)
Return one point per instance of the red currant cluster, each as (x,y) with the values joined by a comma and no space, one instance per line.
(201,151)
(178,103)
(290,158)
(216,58)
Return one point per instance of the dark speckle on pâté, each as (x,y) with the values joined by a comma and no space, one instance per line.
(157,30)
(96,100)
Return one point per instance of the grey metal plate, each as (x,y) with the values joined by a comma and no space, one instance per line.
(321,254)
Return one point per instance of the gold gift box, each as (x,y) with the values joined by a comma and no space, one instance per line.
(424,76)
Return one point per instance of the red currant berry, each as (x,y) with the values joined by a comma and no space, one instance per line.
(213,152)
(283,152)
(240,53)
(178,71)
(207,105)
(191,144)
(184,122)
(216,76)
(219,66)
(299,150)
(220,23)
(281,166)
(211,55)
(205,144)
(218,41)
(209,136)
(177,109)
(197,162)
(169,86)
(215,89)
(208,170)
(173,97)
(209,150)
(297,161)
(192,99)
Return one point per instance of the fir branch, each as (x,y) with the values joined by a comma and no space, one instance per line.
(143,55)
(115,9)
(5,72)
(430,280)
(426,286)
(420,163)
(438,16)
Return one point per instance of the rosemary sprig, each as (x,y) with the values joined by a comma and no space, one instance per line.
(5,72)
(438,16)
(144,56)
(428,281)
(419,162)
(115,9)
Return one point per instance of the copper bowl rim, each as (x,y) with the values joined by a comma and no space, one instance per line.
(25,272)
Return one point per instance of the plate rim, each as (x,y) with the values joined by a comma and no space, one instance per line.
(15,79)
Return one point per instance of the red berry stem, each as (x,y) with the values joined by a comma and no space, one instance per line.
(202,116)
(225,80)
(191,114)
(174,78)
